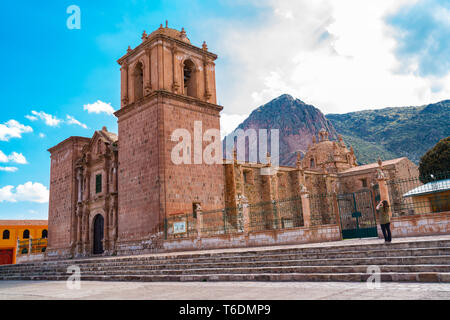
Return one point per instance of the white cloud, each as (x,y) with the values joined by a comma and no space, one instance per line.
(31,118)
(13,129)
(8,169)
(41,135)
(72,120)
(49,119)
(17,158)
(3,157)
(31,192)
(336,55)
(98,107)
(229,122)
(13,157)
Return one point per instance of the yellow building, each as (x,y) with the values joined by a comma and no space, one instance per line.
(12,230)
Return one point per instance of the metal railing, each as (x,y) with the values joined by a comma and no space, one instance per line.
(262,216)
(31,246)
(420,194)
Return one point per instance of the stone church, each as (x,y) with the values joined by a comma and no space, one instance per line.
(111,193)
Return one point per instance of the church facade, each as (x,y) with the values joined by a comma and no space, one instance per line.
(112,193)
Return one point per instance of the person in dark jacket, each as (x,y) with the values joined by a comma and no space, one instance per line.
(385,220)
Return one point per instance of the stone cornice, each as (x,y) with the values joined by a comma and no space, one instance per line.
(72,139)
(147,43)
(166,94)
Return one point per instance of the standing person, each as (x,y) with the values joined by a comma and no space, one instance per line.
(385,220)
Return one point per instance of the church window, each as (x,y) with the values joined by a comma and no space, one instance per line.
(138,81)
(26,234)
(98,183)
(44,233)
(189,78)
(248,177)
(364,183)
(311,163)
(6,234)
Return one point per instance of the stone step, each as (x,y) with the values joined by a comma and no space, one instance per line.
(392,261)
(354,277)
(239,270)
(266,251)
(237,258)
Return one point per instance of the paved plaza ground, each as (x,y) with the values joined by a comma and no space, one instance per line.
(11,290)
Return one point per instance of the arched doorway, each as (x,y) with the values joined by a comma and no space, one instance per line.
(98,234)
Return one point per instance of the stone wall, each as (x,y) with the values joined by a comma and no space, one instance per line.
(419,225)
(63,195)
(254,239)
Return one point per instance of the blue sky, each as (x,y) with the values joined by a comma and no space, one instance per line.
(340,56)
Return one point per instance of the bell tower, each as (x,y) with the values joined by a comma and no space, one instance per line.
(166,84)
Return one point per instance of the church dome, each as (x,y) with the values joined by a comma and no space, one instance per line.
(327,153)
(173,33)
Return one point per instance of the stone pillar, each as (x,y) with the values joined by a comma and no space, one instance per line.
(199,215)
(336,211)
(148,72)
(306,207)
(79,230)
(30,242)
(382,184)
(80,184)
(124,86)
(17,247)
(245,215)
(205,73)
(175,69)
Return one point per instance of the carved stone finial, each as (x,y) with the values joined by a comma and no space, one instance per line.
(160,26)
(129,49)
(105,129)
(340,138)
(314,139)
(167,24)
(268,158)
(144,36)
(299,161)
(204,46)
(182,33)
(380,163)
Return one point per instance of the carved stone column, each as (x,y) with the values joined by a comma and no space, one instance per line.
(245,214)
(199,215)
(306,207)
(205,73)
(175,71)
(124,85)
(148,83)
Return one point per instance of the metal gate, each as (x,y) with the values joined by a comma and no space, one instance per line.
(357,215)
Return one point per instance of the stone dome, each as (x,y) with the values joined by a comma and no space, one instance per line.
(173,33)
(328,153)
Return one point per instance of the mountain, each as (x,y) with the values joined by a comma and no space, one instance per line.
(387,133)
(296,121)
(394,132)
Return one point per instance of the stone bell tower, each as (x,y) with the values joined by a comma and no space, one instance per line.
(166,84)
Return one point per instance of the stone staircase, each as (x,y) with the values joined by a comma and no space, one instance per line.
(412,261)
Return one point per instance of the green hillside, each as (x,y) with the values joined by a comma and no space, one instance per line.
(394,132)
